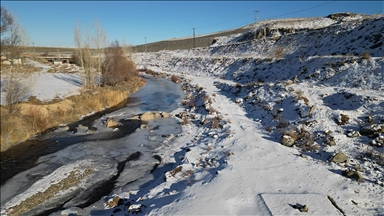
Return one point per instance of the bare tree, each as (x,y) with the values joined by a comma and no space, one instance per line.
(13,37)
(7,21)
(99,41)
(127,48)
(89,53)
(14,42)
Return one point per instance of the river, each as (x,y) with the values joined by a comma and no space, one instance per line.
(117,157)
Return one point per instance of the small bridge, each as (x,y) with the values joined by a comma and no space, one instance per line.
(59,59)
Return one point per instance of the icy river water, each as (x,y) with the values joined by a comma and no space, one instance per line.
(121,159)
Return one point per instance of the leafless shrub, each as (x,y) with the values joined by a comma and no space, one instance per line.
(229,153)
(300,96)
(343,119)
(184,103)
(185,121)
(365,55)
(205,98)
(212,111)
(268,129)
(116,68)
(175,79)
(283,123)
(279,52)
(292,133)
(188,173)
(17,88)
(215,123)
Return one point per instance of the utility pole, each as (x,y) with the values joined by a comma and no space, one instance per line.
(145,38)
(256,12)
(194,39)
(33,45)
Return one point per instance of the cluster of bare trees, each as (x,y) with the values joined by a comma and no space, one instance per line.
(89,53)
(102,64)
(14,43)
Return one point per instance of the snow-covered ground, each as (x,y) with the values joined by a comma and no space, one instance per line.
(299,79)
(46,86)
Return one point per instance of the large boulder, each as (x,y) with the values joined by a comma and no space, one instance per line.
(112,123)
(165,114)
(157,115)
(147,116)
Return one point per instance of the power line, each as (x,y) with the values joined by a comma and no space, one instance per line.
(250,21)
(301,10)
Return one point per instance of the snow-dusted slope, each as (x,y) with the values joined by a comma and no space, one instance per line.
(318,82)
(327,55)
(286,115)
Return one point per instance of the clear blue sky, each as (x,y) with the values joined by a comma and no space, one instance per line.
(52,23)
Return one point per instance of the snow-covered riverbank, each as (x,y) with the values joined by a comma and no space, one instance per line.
(317,84)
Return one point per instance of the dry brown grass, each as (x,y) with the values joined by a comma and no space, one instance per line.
(36,117)
(300,96)
(25,68)
(215,123)
(176,170)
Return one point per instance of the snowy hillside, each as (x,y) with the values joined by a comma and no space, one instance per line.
(313,85)
(286,118)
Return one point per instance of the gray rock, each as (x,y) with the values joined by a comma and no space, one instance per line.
(332,143)
(339,158)
(353,134)
(353,174)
